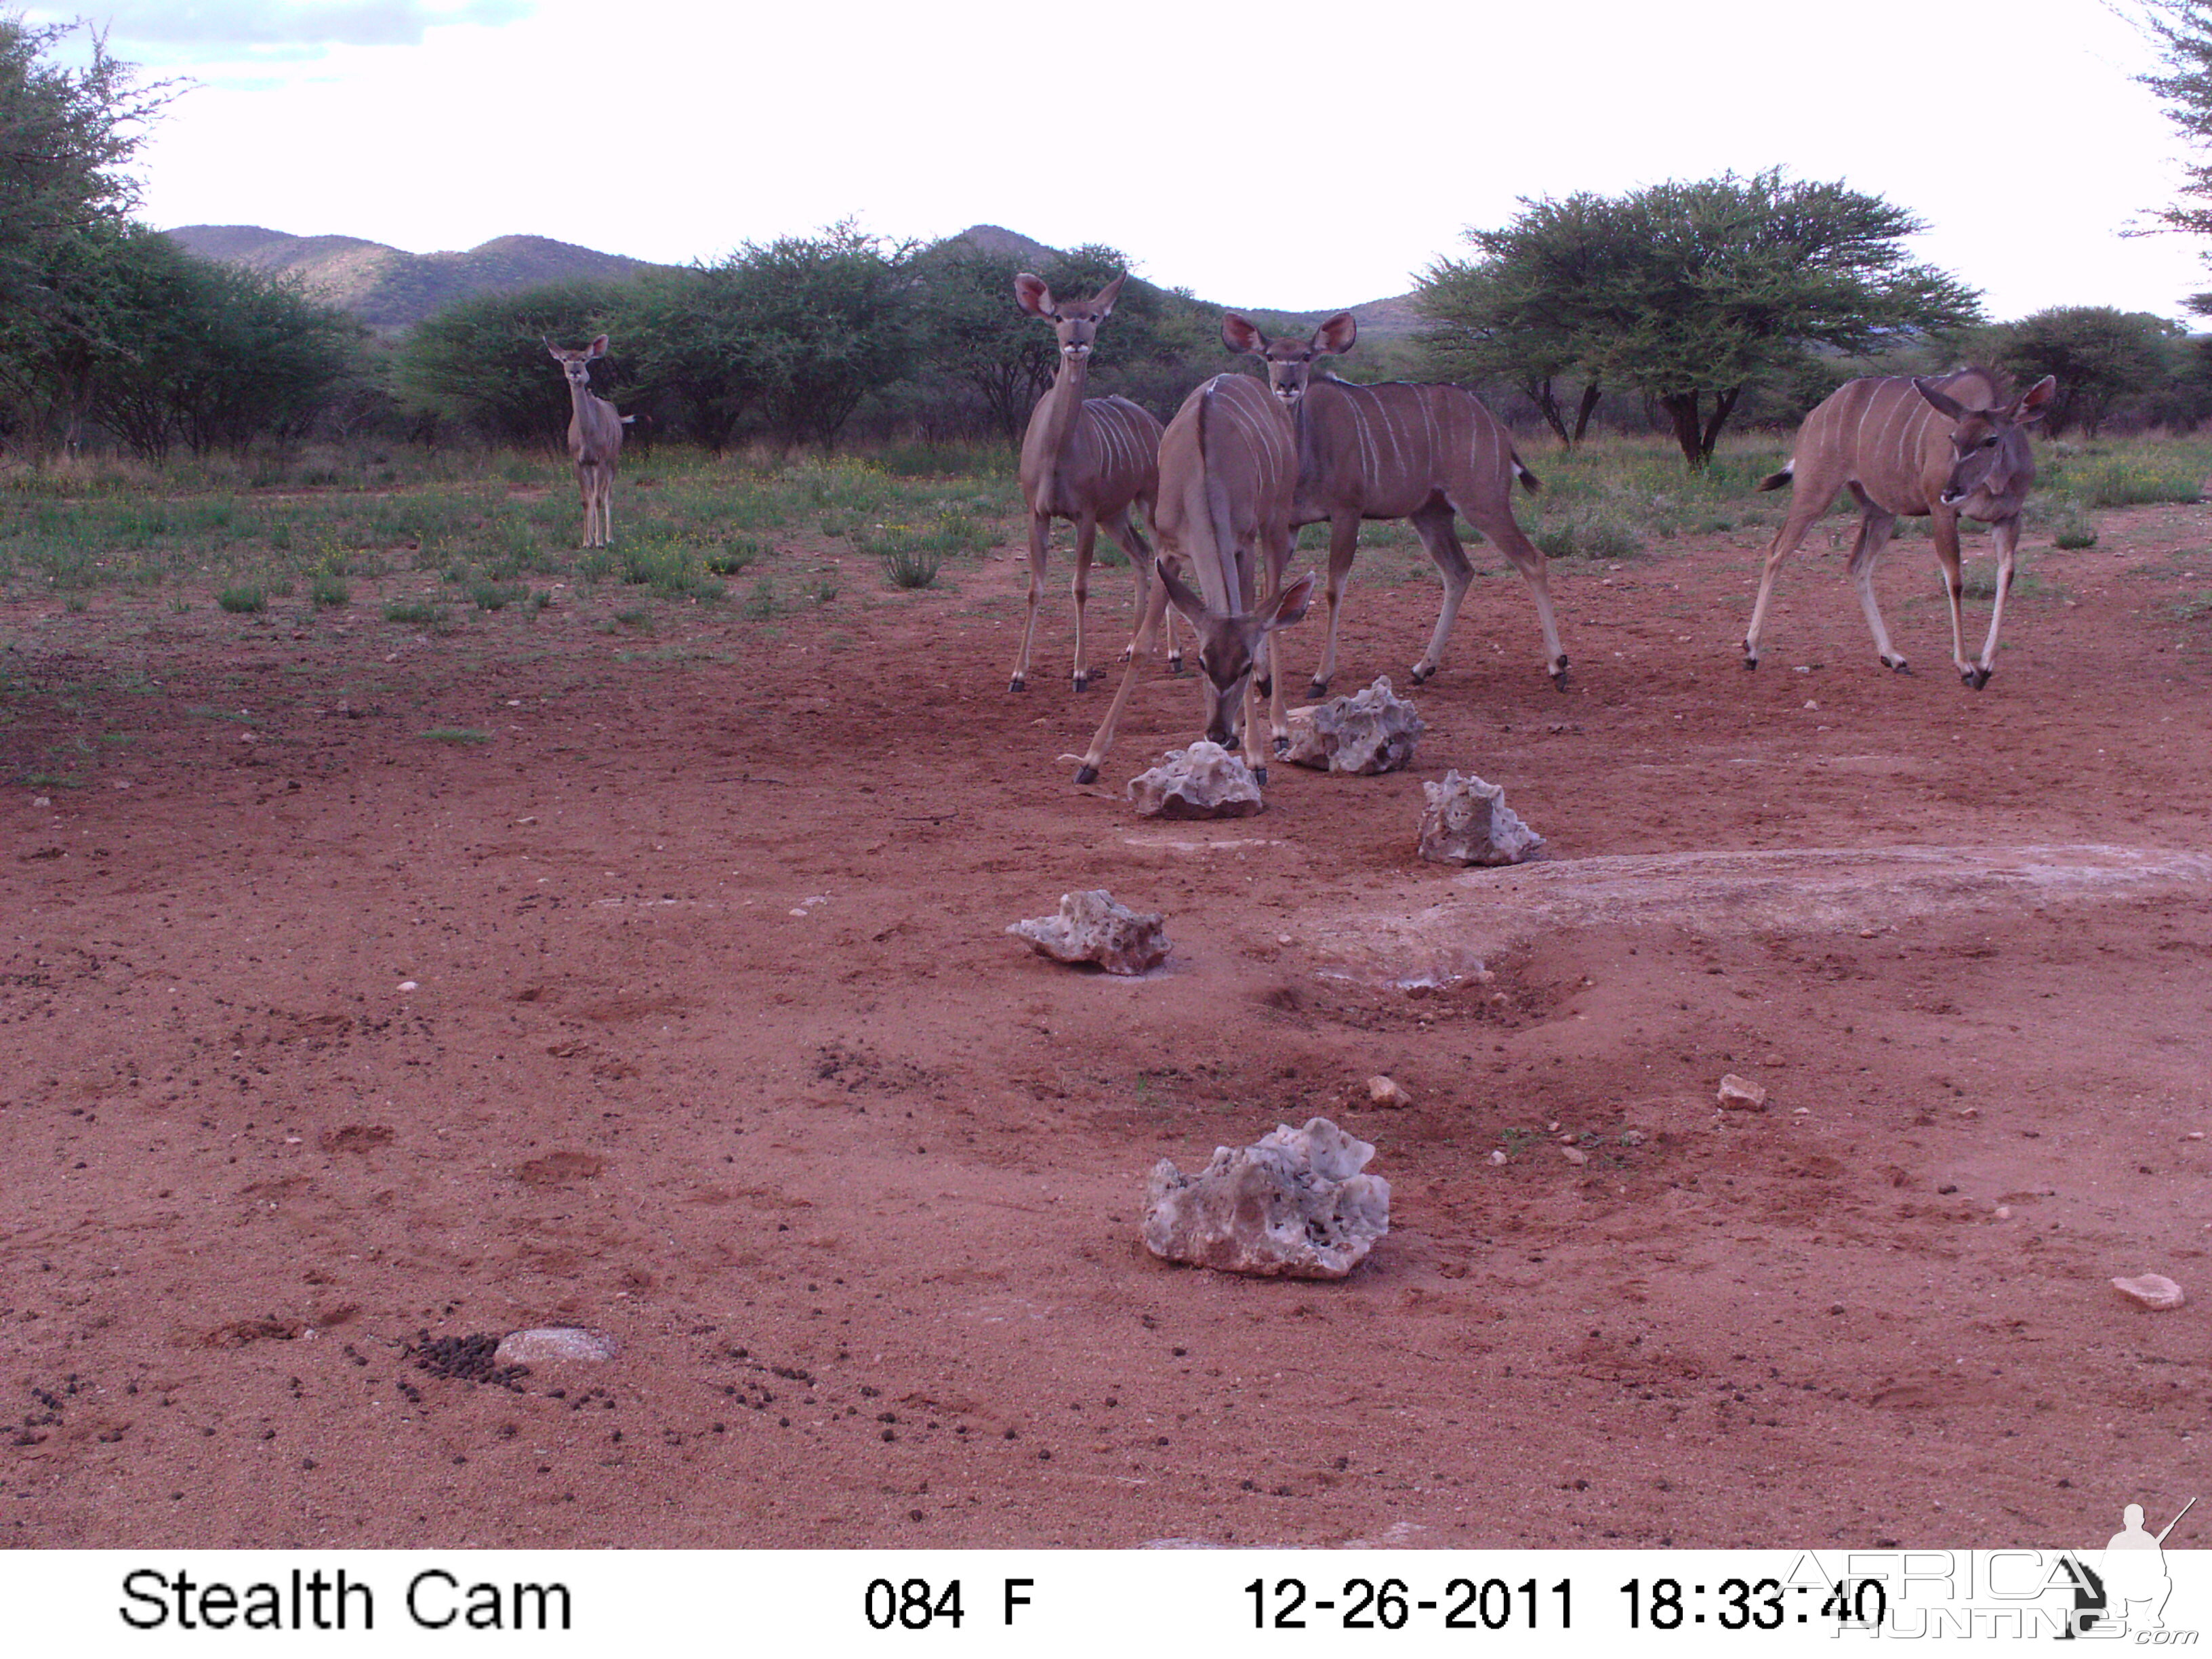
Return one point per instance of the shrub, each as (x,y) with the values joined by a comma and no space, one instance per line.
(248,598)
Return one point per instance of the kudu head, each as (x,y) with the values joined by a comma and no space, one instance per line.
(1989,447)
(1075,321)
(1227,645)
(1290,363)
(577,365)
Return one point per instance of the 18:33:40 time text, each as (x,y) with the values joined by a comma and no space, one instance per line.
(1391,1604)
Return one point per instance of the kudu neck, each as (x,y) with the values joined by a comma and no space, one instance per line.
(1064,402)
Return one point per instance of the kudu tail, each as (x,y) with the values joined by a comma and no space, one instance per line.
(1775,480)
(1529,481)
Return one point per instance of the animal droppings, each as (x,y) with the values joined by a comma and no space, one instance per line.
(1371,730)
(1739,1094)
(1093,926)
(1203,782)
(548,1344)
(2153,1291)
(1467,821)
(1295,1204)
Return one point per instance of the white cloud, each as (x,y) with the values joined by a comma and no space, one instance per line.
(256,25)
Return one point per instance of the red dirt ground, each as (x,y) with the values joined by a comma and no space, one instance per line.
(718,1046)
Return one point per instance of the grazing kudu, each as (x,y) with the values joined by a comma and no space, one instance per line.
(1942,449)
(1228,467)
(595,437)
(1088,459)
(1423,454)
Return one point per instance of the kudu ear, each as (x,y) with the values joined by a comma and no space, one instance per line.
(1337,335)
(1944,404)
(2035,403)
(1289,605)
(1180,595)
(1238,334)
(597,349)
(1108,295)
(1032,295)
(552,350)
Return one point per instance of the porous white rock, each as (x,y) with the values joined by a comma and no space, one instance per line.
(1095,926)
(1739,1094)
(549,1343)
(1295,1204)
(2153,1291)
(1467,821)
(1370,731)
(1203,782)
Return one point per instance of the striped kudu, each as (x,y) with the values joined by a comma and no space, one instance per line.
(1228,467)
(1941,449)
(1398,451)
(1085,459)
(595,435)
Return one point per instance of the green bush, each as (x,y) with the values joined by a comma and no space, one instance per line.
(248,598)
(328,592)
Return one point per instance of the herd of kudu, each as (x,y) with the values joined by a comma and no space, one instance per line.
(1243,465)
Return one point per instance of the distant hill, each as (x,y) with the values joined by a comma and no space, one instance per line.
(388,288)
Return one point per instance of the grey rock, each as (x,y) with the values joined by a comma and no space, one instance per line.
(551,1344)
(1094,926)
(1203,782)
(1294,1206)
(1467,821)
(1370,731)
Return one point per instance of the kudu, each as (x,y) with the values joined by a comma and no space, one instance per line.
(1423,454)
(1228,469)
(1941,449)
(1087,459)
(595,437)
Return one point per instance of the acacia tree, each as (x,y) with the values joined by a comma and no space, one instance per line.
(483,362)
(1690,292)
(2098,355)
(2181,31)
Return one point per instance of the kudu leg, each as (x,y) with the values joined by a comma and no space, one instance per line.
(1093,757)
(1944,528)
(1495,522)
(1040,538)
(1086,542)
(607,507)
(1805,507)
(2006,534)
(1875,528)
(1139,552)
(1343,549)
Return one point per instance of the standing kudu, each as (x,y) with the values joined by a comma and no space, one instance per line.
(595,435)
(1942,449)
(1423,454)
(1228,469)
(1088,459)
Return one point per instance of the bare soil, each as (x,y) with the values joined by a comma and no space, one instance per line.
(716,1044)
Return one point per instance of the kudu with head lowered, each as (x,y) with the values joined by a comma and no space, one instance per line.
(1087,459)
(1228,469)
(595,435)
(1397,450)
(1944,449)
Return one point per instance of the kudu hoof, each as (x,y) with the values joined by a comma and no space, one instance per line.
(1017,684)
(1976,679)
(1423,676)
(1316,689)
(1260,774)
(1898,665)
(1282,745)
(1560,675)
(1082,682)
(1750,663)
(1086,774)
(1175,662)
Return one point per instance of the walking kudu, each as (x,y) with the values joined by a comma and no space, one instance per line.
(1398,450)
(595,435)
(1941,449)
(1228,469)
(1088,459)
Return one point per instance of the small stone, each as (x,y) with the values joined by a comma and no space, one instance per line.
(2194,1134)
(1388,1092)
(1203,782)
(1632,1137)
(1370,731)
(1499,1158)
(1742,1095)
(1574,1154)
(408,984)
(1809,703)
(1773,1059)
(2153,1291)
(2004,1212)
(548,1344)
(1294,1205)
(1094,926)
(1467,821)
(42,800)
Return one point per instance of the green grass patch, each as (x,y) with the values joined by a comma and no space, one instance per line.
(458,734)
(250,599)
(415,613)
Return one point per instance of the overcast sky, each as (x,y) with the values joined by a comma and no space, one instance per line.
(1296,155)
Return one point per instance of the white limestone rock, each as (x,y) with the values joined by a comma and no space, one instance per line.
(1094,926)
(1467,821)
(1370,731)
(1203,782)
(1294,1206)
(552,1344)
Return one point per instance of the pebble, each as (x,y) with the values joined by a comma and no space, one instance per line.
(1387,1091)
(1499,1158)
(1574,1154)
(42,800)
(1774,1060)
(2153,1291)
(1742,1095)
(408,984)
(2004,1212)
(549,1344)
